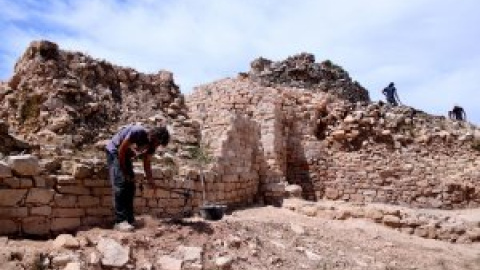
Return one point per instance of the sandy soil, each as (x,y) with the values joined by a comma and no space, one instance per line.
(256,238)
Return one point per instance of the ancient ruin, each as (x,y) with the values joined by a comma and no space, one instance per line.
(313,127)
(293,128)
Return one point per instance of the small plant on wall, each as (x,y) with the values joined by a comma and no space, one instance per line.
(201,155)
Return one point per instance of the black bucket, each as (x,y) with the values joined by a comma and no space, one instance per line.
(212,211)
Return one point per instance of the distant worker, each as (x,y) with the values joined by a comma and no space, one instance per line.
(390,93)
(457,113)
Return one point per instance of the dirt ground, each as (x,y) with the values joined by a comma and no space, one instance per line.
(254,238)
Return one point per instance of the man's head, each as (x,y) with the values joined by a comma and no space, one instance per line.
(160,135)
(391,84)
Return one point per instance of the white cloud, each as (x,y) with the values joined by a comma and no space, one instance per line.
(429,48)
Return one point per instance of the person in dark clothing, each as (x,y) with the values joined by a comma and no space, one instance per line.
(457,113)
(130,142)
(390,93)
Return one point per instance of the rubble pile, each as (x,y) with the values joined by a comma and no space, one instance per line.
(39,200)
(301,71)
(254,239)
(394,155)
(68,99)
(421,224)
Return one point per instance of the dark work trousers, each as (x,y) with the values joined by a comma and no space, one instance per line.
(392,101)
(123,188)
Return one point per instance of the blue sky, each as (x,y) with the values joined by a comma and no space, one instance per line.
(429,48)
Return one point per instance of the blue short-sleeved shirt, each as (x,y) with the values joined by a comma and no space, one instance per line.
(389,91)
(136,134)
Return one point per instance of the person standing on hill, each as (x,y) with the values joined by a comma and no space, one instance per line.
(130,142)
(457,113)
(390,93)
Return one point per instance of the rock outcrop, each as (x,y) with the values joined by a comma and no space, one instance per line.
(69,100)
(301,71)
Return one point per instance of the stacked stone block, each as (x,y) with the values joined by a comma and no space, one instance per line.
(33,202)
(339,150)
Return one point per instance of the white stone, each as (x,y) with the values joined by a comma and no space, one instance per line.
(170,263)
(64,258)
(191,254)
(293,191)
(66,241)
(73,266)
(313,256)
(94,258)
(297,229)
(224,262)
(113,254)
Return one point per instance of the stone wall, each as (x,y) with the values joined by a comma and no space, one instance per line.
(261,107)
(33,202)
(375,153)
(340,150)
(236,171)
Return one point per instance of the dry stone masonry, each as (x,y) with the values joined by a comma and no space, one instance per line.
(288,128)
(35,202)
(58,110)
(337,145)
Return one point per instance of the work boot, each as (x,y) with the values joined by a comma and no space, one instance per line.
(123,227)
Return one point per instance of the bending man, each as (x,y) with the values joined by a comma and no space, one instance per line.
(130,142)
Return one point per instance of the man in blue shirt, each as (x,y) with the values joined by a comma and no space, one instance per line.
(130,142)
(457,113)
(390,93)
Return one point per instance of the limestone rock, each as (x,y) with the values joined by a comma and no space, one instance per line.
(40,196)
(392,221)
(36,226)
(309,210)
(191,254)
(224,262)
(170,263)
(11,197)
(113,254)
(81,171)
(294,191)
(65,241)
(73,266)
(5,170)
(26,165)
(62,259)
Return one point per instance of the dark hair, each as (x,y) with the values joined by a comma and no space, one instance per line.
(162,135)
(391,84)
